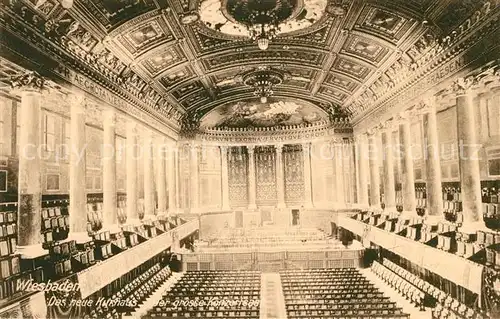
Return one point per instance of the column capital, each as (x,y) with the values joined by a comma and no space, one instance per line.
(278,147)
(335,141)
(490,78)
(388,126)
(463,86)
(29,82)
(373,131)
(77,102)
(250,149)
(426,105)
(306,146)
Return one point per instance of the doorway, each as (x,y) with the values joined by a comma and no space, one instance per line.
(295,217)
(238,222)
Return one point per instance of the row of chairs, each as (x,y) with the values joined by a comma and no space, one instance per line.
(334,293)
(207,294)
(409,291)
(154,277)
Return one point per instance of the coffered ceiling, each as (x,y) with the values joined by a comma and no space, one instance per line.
(159,53)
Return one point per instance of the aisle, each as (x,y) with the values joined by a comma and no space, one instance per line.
(401,301)
(272,301)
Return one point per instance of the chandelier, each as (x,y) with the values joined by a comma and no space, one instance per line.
(263,80)
(261,17)
(263,29)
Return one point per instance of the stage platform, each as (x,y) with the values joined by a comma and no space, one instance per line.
(271,249)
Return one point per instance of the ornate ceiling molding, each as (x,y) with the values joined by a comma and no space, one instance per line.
(434,61)
(164,59)
(318,131)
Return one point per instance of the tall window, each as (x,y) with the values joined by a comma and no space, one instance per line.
(3,136)
(493,115)
(18,128)
(66,146)
(49,134)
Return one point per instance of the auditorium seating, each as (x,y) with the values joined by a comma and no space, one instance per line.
(421,196)
(10,271)
(410,286)
(207,294)
(452,202)
(491,207)
(334,293)
(136,291)
(442,234)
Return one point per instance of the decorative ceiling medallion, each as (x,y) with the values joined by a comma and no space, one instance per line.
(146,34)
(337,8)
(196,98)
(339,96)
(226,79)
(45,7)
(364,48)
(163,60)
(384,21)
(341,82)
(173,78)
(352,68)
(214,15)
(390,25)
(190,17)
(183,91)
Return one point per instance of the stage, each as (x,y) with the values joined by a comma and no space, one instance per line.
(271,249)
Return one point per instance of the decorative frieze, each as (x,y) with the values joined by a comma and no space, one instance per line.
(274,135)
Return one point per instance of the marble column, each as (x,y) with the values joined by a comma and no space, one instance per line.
(172,185)
(161,177)
(373,158)
(177,170)
(195,178)
(77,172)
(389,181)
(408,173)
(29,219)
(468,152)
(363,172)
(280,176)
(224,178)
(340,195)
(306,152)
(132,178)
(251,178)
(109,170)
(149,204)
(432,159)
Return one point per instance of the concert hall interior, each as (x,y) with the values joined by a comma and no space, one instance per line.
(263,159)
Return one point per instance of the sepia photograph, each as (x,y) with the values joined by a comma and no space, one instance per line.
(250,159)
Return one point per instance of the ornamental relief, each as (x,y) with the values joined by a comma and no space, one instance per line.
(293,160)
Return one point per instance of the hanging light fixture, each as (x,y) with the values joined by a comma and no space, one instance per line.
(263,28)
(263,80)
(262,18)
